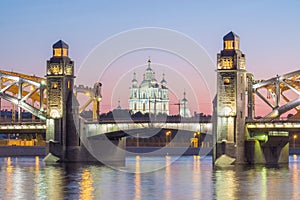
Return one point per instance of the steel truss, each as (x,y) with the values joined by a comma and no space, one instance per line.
(273,92)
(94,96)
(19,88)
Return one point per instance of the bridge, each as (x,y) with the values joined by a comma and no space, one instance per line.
(238,132)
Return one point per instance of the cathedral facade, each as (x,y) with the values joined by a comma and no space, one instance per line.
(149,96)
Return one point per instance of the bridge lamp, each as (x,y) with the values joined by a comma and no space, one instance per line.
(197,134)
(168,133)
(294,138)
(54,113)
(43,82)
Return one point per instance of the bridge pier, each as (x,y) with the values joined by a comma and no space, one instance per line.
(275,151)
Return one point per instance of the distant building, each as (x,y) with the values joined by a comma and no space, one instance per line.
(184,110)
(149,96)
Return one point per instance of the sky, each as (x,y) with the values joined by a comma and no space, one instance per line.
(269,32)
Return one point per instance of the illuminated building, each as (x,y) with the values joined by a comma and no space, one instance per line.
(149,96)
(230,102)
(184,110)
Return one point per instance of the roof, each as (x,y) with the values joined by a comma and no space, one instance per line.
(231,36)
(60,44)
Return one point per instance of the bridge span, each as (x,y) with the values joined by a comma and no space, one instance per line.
(237,131)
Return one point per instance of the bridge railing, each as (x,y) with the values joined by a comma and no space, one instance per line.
(23,122)
(147,120)
(276,120)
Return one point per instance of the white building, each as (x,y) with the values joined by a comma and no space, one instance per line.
(184,110)
(149,96)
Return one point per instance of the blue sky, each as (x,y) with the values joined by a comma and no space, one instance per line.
(269,30)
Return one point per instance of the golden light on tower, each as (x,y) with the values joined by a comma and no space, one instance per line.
(60,49)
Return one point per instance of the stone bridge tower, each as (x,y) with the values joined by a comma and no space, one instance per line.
(230,104)
(63,141)
(61,131)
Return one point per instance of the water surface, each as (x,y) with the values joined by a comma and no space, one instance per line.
(186,178)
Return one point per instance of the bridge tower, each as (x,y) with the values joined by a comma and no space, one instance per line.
(229,107)
(61,132)
(63,123)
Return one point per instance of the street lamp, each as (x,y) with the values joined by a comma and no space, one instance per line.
(196,139)
(295,137)
(168,134)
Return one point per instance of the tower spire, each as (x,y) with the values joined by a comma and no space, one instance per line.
(119,105)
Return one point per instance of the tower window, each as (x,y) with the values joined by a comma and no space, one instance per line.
(65,52)
(228,44)
(54,85)
(69,84)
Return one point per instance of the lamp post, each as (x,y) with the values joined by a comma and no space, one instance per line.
(294,138)
(197,139)
(168,134)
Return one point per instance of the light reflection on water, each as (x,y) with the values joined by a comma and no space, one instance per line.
(187,178)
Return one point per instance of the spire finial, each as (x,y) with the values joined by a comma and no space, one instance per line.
(119,106)
(149,61)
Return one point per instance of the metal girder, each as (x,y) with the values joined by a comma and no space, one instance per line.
(94,96)
(275,87)
(17,88)
(14,88)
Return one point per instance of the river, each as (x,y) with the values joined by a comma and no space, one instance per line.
(188,177)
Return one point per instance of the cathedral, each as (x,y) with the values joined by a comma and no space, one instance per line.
(149,96)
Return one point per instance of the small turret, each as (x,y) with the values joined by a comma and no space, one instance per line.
(134,81)
(60,49)
(231,41)
(163,82)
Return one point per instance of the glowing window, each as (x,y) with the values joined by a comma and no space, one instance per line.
(228,44)
(54,85)
(69,84)
(65,52)
(56,52)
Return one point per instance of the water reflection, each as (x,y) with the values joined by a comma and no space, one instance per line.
(295,178)
(168,191)
(86,185)
(187,178)
(9,170)
(137,181)
(196,177)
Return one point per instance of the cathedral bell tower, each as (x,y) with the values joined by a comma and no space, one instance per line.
(230,101)
(60,81)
